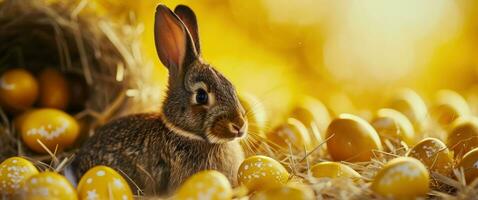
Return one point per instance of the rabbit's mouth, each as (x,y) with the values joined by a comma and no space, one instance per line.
(224,130)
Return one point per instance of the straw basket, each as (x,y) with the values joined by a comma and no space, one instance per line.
(93,51)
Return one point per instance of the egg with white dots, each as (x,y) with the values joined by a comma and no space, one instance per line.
(102,182)
(49,185)
(13,172)
(463,135)
(54,128)
(206,185)
(434,154)
(402,178)
(261,173)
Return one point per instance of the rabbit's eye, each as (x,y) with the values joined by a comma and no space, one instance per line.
(201,97)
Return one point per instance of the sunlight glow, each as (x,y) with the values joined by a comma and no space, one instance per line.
(373,40)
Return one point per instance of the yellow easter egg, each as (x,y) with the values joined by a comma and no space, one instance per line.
(448,106)
(411,105)
(434,154)
(393,125)
(49,185)
(261,173)
(350,138)
(13,172)
(463,135)
(314,115)
(18,90)
(295,191)
(255,112)
(310,110)
(102,182)
(207,185)
(52,127)
(256,117)
(333,170)
(54,91)
(402,178)
(469,164)
(293,133)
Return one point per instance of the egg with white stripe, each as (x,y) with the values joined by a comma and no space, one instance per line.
(54,128)
(102,182)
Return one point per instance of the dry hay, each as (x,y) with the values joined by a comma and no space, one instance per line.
(299,163)
(35,35)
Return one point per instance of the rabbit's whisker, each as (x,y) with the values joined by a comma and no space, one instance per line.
(261,140)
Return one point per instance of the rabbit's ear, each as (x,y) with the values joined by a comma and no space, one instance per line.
(188,17)
(173,42)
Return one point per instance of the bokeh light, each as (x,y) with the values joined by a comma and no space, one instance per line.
(349,54)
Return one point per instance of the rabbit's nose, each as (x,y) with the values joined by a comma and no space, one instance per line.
(239,131)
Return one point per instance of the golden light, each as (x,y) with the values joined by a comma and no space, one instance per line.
(373,42)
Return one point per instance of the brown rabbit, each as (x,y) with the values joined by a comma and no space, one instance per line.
(198,128)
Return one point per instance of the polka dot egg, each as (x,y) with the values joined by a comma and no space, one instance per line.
(52,127)
(402,178)
(333,170)
(434,154)
(463,135)
(13,172)
(207,185)
(261,173)
(102,182)
(49,185)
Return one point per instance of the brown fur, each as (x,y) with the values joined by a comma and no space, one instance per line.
(158,151)
(168,158)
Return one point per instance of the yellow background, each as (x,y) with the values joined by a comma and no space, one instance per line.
(349,54)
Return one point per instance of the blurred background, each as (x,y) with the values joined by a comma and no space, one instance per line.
(349,54)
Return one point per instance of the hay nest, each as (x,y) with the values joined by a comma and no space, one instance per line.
(35,34)
(299,162)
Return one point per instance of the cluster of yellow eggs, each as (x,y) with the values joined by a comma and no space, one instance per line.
(351,138)
(19,178)
(264,177)
(38,104)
